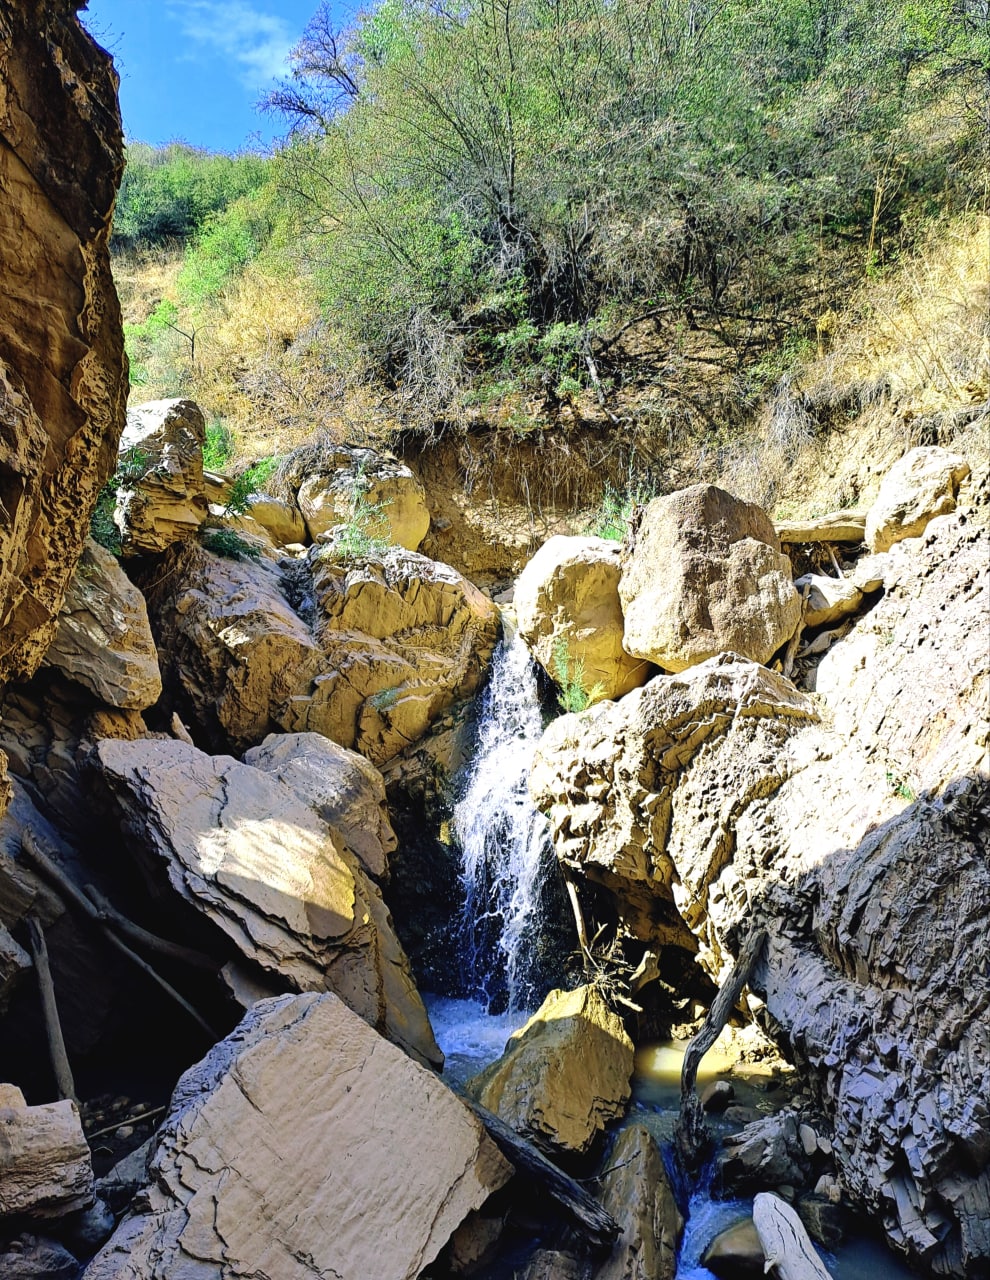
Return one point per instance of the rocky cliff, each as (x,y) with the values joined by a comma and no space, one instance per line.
(62,374)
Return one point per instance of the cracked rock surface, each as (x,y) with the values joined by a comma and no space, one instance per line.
(305,1146)
(853,825)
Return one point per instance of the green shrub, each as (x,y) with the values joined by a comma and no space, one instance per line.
(249,482)
(219,447)
(228,543)
(385,698)
(573,693)
(131,466)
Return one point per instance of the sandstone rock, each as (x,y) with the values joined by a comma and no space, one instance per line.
(406,638)
(566,603)
(837,526)
(638,1194)
(829,599)
(380,493)
(246,851)
(341,786)
(917,488)
(283,520)
(862,846)
(103,641)
(767,1153)
(63,382)
(564,1075)
(397,641)
(45,1165)
(705,575)
(735,1252)
(166,501)
(305,1145)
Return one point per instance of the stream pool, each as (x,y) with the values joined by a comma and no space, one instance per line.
(471,1039)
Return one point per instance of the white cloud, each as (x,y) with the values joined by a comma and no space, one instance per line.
(258,43)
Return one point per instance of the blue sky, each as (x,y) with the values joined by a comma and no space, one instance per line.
(195,69)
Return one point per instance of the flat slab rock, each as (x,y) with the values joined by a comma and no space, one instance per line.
(303,1146)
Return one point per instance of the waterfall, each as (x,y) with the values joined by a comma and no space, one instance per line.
(504,840)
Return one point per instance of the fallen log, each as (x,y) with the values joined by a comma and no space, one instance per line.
(586,1214)
(53,1027)
(691,1131)
(786,1244)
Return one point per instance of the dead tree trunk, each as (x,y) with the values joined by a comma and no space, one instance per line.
(53,1028)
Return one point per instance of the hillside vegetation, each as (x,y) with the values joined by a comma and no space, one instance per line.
(688,228)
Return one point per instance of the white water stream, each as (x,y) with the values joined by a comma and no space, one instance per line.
(504,840)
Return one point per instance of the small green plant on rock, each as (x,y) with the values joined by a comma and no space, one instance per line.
(228,543)
(131,466)
(573,693)
(385,698)
(366,529)
(248,483)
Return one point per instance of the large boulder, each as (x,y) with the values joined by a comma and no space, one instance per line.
(917,488)
(63,380)
(564,1075)
(705,575)
(637,1192)
(374,494)
(282,520)
(373,652)
(860,844)
(104,641)
(341,786)
(259,863)
(567,609)
(305,1145)
(46,1170)
(162,499)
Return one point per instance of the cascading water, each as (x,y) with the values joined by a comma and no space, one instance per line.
(504,840)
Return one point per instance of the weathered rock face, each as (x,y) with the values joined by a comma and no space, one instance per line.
(861,846)
(45,1166)
(396,640)
(567,606)
(244,849)
(638,1194)
(341,786)
(282,520)
(305,1145)
(405,637)
(387,500)
(165,502)
(564,1075)
(828,599)
(63,377)
(705,575)
(103,640)
(920,486)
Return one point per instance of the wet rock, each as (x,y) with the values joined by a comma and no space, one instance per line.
(30,1257)
(567,608)
(244,849)
(63,383)
(164,499)
(341,786)
(564,1075)
(824,1220)
(45,1165)
(716,1097)
(735,1252)
(378,492)
(638,1195)
(302,1144)
(917,488)
(104,641)
(767,1153)
(704,575)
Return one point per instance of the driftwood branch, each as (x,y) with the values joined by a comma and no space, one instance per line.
(786,1244)
(584,1211)
(53,1028)
(107,913)
(691,1134)
(579,925)
(56,875)
(790,653)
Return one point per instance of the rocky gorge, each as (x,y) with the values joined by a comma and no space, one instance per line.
(226,866)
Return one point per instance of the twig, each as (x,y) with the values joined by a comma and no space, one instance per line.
(835,564)
(582,932)
(112,1128)
(53,1028)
